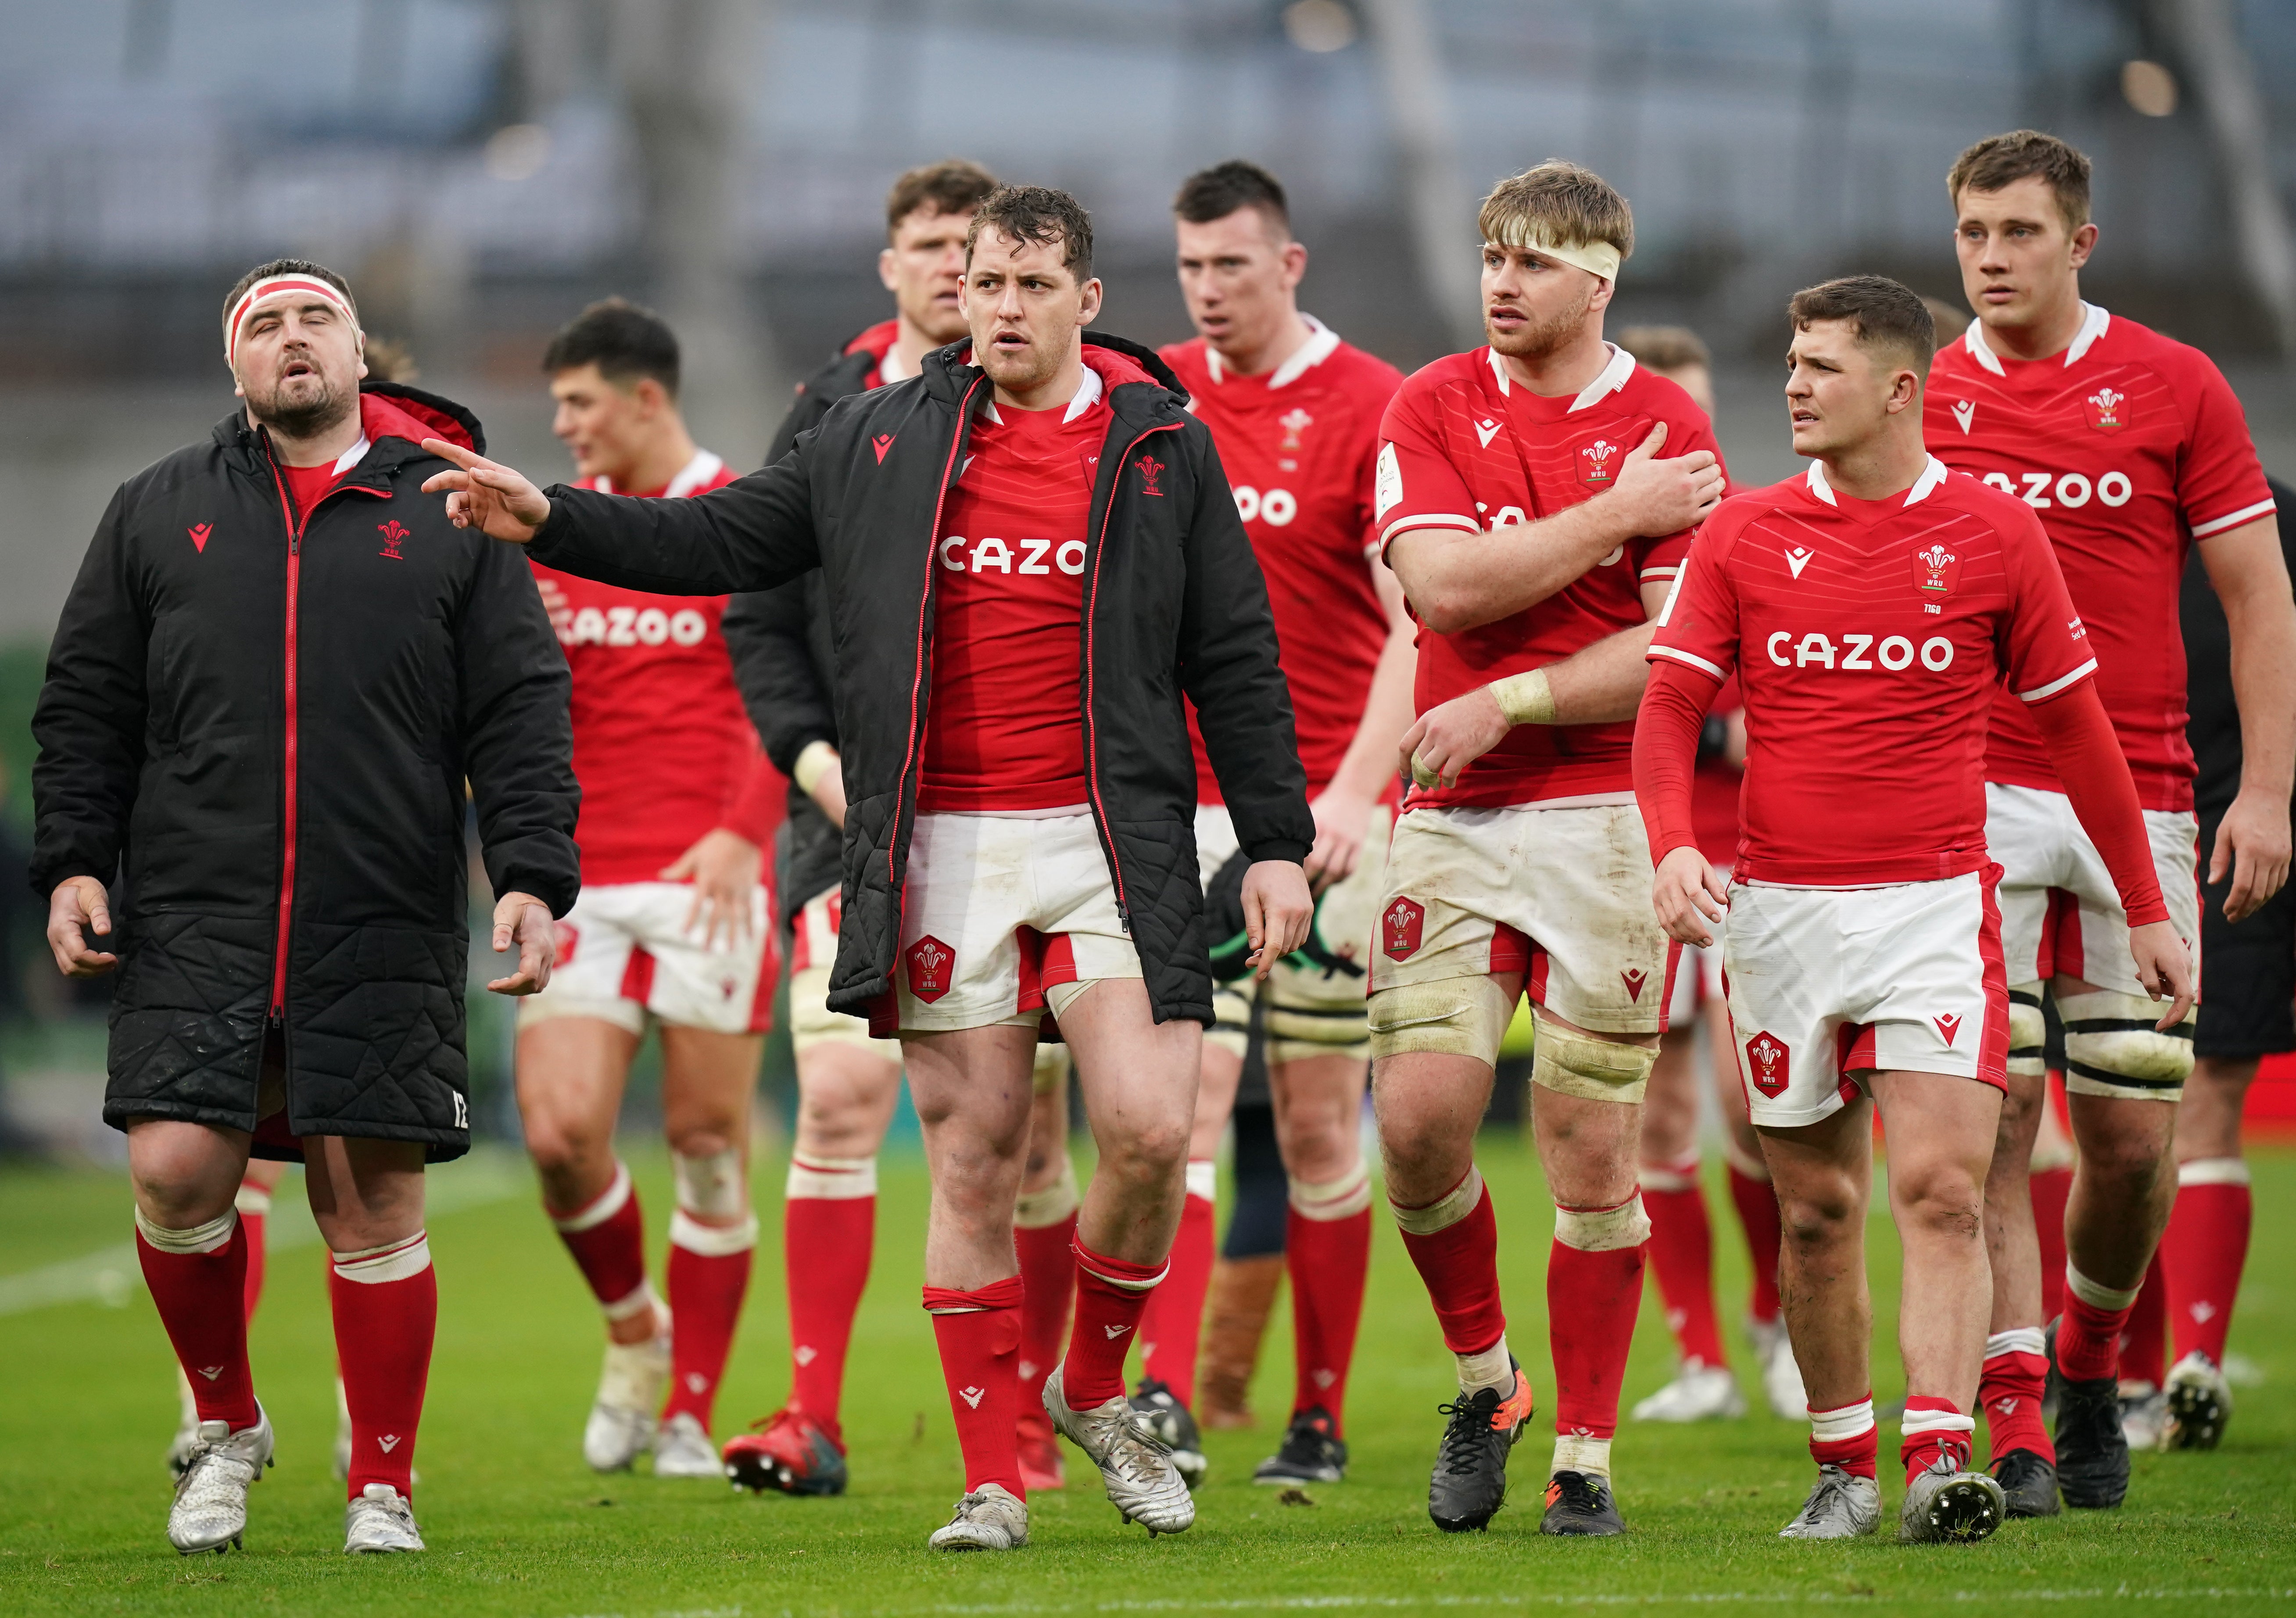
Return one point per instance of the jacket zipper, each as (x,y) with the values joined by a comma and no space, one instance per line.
(1092,672)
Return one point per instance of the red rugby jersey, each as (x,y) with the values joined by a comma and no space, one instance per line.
(662,746)
(1004,727)
(2128,447)
(1300,445)
(1868,638)
(1464,448)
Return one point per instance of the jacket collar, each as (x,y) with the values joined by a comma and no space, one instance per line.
(394,419)
(948,377)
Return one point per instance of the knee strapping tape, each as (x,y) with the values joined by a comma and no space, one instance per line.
(1050,1204)
(1445,1211)
(212,1237)
(2028,1030)
(1339,1199)
(1597,1070)
(2112,1046)
(1603,1230)
(1451,1017)
(714,1185)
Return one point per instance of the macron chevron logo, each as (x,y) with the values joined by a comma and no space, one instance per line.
(1965,412)
(389,1441)
(1486,429)
(1798,559)
(882,443)
(972,1396)
(1114,1332)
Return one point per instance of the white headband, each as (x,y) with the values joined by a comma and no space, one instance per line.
(1595,258)
(270,284)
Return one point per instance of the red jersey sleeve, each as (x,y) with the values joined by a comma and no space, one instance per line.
(2219,482)
(755,808)
(1698,628)
(2045,647)
(1415,484)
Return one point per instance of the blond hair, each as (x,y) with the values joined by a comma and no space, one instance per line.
(1557,204)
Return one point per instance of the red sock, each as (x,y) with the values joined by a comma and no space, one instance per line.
(254,1205)
(1847,1438)
(2088,1332)
(1327,1250)
(1453,1242)
(1593,1290)
(708,1277)
(2009,1387)
(1682,1254)
(1111,1295)
(607,1237)
(979,1336)
(829,1228)
(2206,1249)
(1934,1428)
(1173,1327)
(2143,1341)
(2051,1189)
(386,1303)
(1757,1203)
(198,1281)
(1048,1286)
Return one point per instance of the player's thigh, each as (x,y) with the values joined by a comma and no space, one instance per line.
(364,1194)
(570,1075)
(1220,1072)
(1585,1146)
(1940,1129)
(1318,1104)
(972,1095)
(1823,1173)
(2121,1138)
(1670,1100)
(847,1091)
(1137,1076)
(707,1082)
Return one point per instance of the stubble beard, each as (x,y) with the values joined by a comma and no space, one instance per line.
(305,416)
(1535,342)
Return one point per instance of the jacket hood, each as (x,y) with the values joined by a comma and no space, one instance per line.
(876,341)
(1121,363)
(388,410)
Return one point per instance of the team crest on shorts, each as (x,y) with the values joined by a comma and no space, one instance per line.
(2108,409)
(1767,1059)
(931,966)
(1598,464)
(1400,929)
(566,935)
(1935,570)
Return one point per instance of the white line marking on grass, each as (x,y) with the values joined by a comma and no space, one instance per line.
(1340,1603)
(111,1275)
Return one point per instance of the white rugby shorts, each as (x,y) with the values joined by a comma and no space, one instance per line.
(1828,983)
(813,952)
(1561,895)
(1005,916)
(2061,916)
(625,955)
(1310,1012)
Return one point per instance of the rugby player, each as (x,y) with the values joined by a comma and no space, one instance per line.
(1870,609)
(1294,412)
(275,676)
(671,930)
(1525,506)
(847,1082)
(1031,560)
(2129,449)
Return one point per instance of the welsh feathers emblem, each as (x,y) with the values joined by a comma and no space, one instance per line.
(2108,409)
(1150,469)
(1768,1060)
(1935,570)
(394,534)
(930,964)
(1399,928)
(1598,464)
(1294,421)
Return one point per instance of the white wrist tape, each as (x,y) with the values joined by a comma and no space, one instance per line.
(817,759)
(1525,698)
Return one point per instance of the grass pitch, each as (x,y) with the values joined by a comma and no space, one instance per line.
(517,1525)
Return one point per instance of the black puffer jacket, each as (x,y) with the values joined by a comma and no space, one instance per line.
(177,751)
(1174,605)
(783,660)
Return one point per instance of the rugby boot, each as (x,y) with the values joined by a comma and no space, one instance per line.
(2144,1416)
(1135,1464)
(788,1452)
(2199,1400)
(1943,1503)
(378,1521)
(630,1387)
(2028,1483)
(1310,1452)
(988,1519)
(1842,1506)
(1581,1504)
(1468,1485)
(1699,1393)
(1175,1426)
(210,1511)
(2091,1453)
(682,1448)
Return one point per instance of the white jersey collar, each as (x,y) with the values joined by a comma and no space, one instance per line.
(1933,474)
(1322,343)
(353,455)
(695,473)
(2094,322)
(1087,394)
(1613,377)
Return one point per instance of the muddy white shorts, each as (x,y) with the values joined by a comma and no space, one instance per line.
(813,951)
(1827,983)
(1560,895)
(2061,916)
(624,955)
(1005,916)
(1312,1011)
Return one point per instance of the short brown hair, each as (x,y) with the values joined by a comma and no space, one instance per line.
(1559,201)
(1215,192)
(1041,215)
(1883,313)
(288,266)
(1665,347)
(2000,160)
(954,184)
